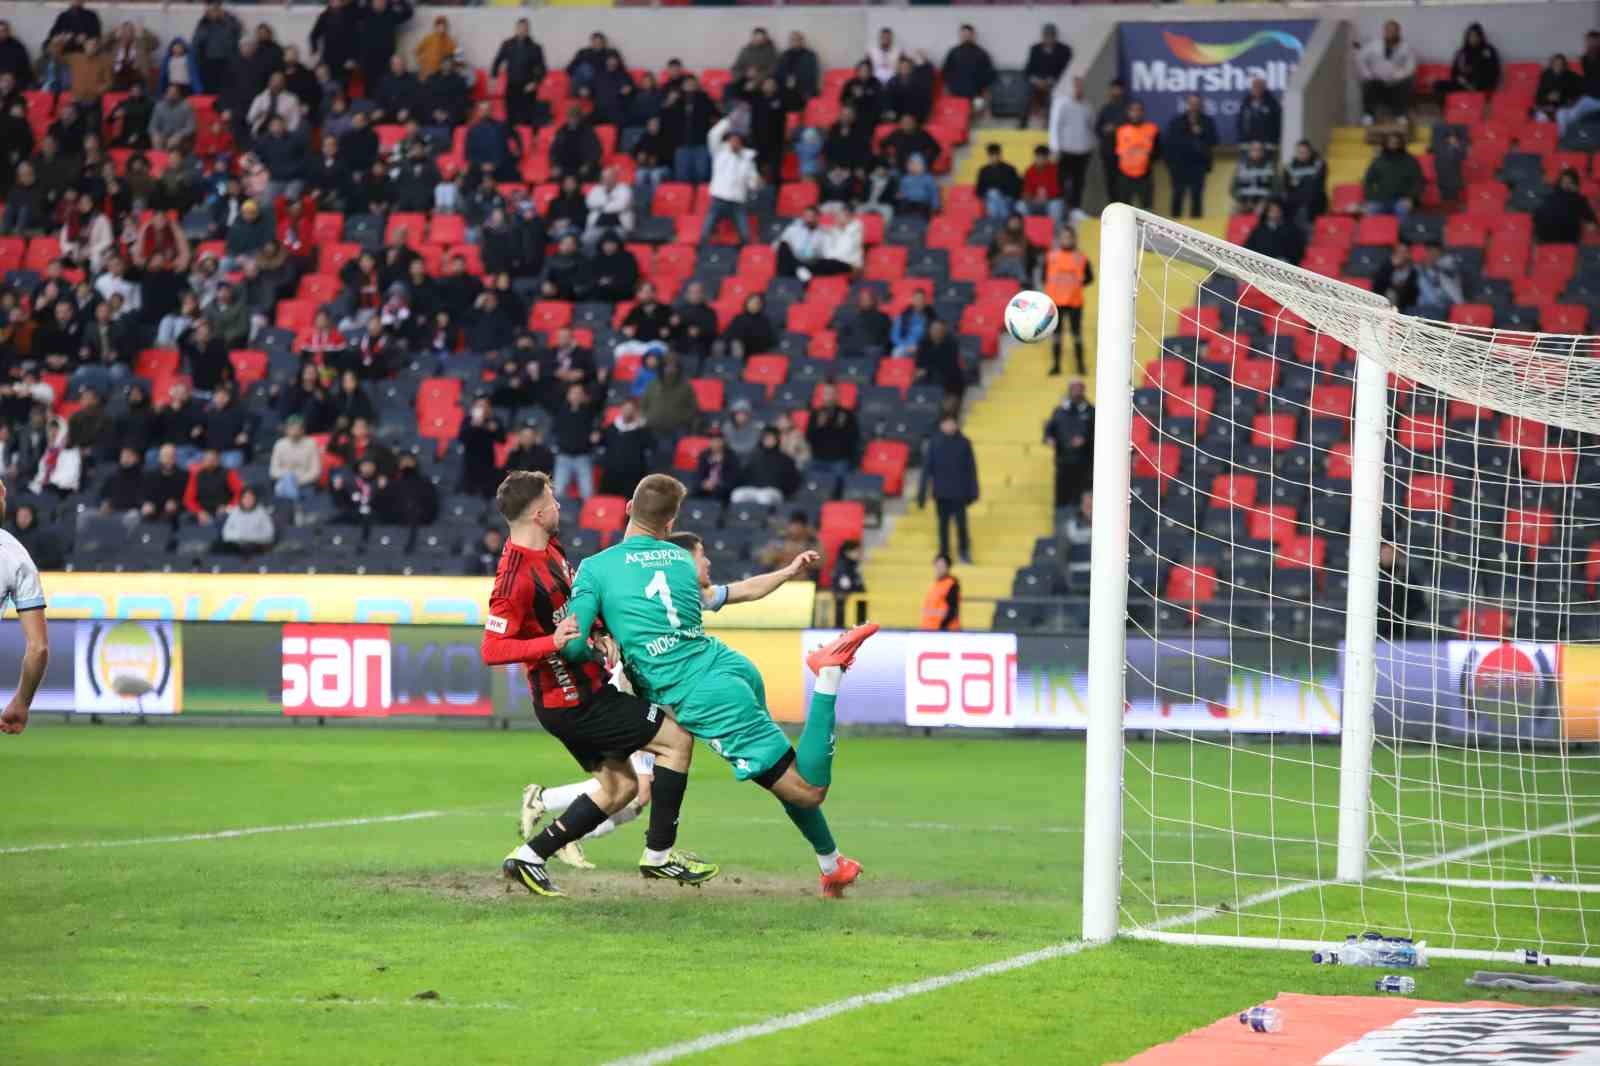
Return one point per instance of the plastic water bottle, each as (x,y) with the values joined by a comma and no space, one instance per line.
(1393,983)
(1531,957)
(1374,949)
(1547,879)
(1262,1019)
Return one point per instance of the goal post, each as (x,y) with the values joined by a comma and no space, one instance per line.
(1344,636)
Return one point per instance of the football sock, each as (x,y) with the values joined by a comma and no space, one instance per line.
(813,826)
(580,820)
(666,801)
(559,798)
(621,818)
(814,753)
(829,862)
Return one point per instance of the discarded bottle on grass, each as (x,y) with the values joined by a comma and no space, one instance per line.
(1373,949)
(1395,983)
(1262,1019)
(1531,957)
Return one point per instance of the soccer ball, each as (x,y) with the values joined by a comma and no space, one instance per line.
(1030,316)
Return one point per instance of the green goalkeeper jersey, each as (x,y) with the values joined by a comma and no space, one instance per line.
(647,593)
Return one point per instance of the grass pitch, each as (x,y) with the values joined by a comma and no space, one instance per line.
(395,942)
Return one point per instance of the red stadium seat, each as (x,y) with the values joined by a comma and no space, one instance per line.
(549,315)
(1531,528)
(42,251)
(845,519)
(1464,108)
(1467,231)
(708,394)
(795,197)
(1431,492)
(1549,465)
(1160,462)
(1234,491)
(807,318)
(768,370)
(1346,199)
(1564,318)
(687,452)
(1274,431)
(413,223)
(447,229)
(249,366)
(848,394)
(156,363)
(1378,229)
(334,255)
(319,288)
(945,232)
(1258,374)
(673,198)
(969,263)
(438,395)
(12,252)
(1318,349)
(295,315)
(1166,374)
(1240,225)
(1338,231)
(887,262)
(1275,522)
(824,344)
(897,373)
(1192,401)
(1195,321)
(1191,584)
(1486,197)
(1326,260)
(604,514)
(1420,433)
(758,262)
(1303,550)
(1479,315)
(888,459)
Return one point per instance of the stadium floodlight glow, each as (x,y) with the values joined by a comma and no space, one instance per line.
(1356,589)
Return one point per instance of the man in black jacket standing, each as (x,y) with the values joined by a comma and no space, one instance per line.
(968,70)
(799,71)
(521,59)
(1260,117)
(1187,144)
(1046,61)
(380,30)
(1071,430)
(950,469)
(1112,114)
(336,37)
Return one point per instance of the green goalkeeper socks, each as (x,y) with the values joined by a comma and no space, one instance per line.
(813,826)
(814,753)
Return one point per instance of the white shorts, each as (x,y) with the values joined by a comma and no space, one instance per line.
(644,763)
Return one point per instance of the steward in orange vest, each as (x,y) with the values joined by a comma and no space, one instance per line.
(1138,146)
(941,607)
(1066,272)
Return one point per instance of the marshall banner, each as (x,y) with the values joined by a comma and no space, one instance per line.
(1162,63)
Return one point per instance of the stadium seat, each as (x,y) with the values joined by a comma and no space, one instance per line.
(686,453)
(1191,584)
(888,459)
(708,394)
(603,514)
(295,315)
(249,366)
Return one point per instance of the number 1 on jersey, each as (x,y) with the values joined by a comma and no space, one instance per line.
(657,589)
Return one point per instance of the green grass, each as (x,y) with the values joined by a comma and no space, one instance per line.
(309,946)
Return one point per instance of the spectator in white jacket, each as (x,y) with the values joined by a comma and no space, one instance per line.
(248,527)
(1073,140)
(734,180)
(296,463)
(799,245)
(843,246)
(610,205)
(275,99)
(1386,67)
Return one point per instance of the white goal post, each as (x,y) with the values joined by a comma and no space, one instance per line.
(1345,613)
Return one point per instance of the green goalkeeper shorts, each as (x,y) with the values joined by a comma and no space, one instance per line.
(728,710)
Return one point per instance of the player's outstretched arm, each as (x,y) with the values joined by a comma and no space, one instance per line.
(583,607)
(35,657)
(763,585)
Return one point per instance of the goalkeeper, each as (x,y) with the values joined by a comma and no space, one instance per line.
(648,591)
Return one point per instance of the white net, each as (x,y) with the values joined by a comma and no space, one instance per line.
(1483,833)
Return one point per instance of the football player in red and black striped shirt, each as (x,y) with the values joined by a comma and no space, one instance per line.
(599,725)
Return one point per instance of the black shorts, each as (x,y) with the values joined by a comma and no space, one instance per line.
(611,725)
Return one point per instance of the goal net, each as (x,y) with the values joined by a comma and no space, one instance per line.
(1355,593)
